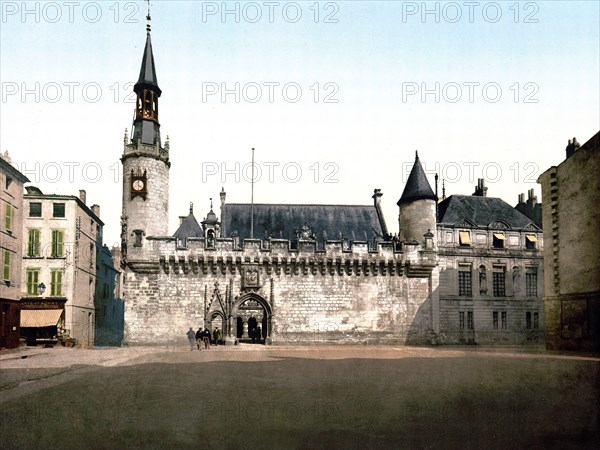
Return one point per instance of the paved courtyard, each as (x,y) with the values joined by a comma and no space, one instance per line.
(257,397)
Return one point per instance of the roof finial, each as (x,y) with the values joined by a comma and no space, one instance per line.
(191,208)
(148,18)
(416,154)
(443,189)
(211,203)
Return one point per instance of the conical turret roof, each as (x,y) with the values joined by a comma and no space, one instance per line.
(417,187)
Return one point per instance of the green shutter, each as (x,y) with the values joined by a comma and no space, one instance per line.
(8,217)
(32,281)
(6,265)
(33,244)
(56,284)
(57,243)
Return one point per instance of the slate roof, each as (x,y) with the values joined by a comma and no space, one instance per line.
(482,211)
(327,222)
(417,187)
(148,70)
(189,228)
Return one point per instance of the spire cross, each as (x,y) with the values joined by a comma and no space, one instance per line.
(191,208)
(148,18)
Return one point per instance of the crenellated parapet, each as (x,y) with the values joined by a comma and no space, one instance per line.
(226,256)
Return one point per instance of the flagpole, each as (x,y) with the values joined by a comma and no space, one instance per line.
(252,200)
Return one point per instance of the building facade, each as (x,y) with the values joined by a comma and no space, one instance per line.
(571,218)
(63,238)
(108,301)
(285,273)
(11,244)
(491,272)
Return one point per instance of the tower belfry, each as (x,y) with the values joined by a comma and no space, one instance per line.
(145,164)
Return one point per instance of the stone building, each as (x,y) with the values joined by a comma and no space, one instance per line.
(571,217)
(321,273)
(64,236)
(491,271)
(11,245)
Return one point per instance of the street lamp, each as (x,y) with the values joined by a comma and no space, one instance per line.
(41,288)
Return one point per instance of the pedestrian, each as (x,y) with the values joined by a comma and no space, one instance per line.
(199,337)
(206,337)
(191,337)
(217,335)
(258,334)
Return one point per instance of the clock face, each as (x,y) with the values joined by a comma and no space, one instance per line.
(138,185)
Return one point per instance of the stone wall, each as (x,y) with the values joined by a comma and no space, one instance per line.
(336,295)
(571,194)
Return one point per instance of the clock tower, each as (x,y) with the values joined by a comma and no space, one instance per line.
(145,166)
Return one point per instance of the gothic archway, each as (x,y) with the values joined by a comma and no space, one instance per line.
(255,314)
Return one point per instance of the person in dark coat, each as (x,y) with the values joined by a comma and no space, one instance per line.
(216,335)
(206,338)
(199,337)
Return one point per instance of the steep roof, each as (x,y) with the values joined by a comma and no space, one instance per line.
(417,187)
(148,70)
(481,211)
(189,228)
(327,222)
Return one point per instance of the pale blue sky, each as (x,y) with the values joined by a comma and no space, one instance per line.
(370,134)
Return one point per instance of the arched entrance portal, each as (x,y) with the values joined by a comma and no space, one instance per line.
(217,320)
(252,318)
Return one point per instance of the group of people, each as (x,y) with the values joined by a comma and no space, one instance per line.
(203,337)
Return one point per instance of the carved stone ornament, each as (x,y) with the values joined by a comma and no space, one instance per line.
(250,277)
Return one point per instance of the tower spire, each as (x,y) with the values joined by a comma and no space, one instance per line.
(146,126)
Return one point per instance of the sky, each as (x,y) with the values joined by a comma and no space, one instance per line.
(335,97)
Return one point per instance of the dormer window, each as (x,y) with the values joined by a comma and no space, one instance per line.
(530,241)
(464,238)
(498,241)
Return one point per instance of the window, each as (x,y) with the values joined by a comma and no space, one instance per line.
(531,284)
(35,209)
(536,321)
(6,265)
(461,320)
(138,238)
(464,283)
(92,258)
(530,241)
(495,319)
(8,217)
(464,238)
(528,320)
(503,317)
(56,282)
(58,210)
(58,243)
(33,243)
(498,241)
(470,325)
(499,282)
(9,181)
(33,278)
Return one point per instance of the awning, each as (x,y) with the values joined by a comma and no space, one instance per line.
(531,238)
(35,318)
(500,236)
(465,237)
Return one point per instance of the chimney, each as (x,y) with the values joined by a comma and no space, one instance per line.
(521,199)
(181,220)
(377,203)
(572,147)
(480,189)
(96,210)
(532,200)
(82,196)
